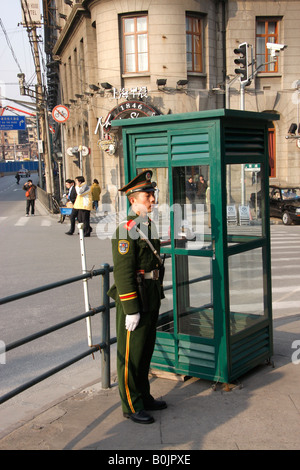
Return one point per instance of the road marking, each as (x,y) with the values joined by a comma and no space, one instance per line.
(22,221)
(46,223)
(294,304)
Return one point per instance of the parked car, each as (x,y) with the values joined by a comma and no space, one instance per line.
(285,203)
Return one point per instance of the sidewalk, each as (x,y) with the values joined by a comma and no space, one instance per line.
(260,412)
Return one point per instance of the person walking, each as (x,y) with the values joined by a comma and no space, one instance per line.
(96,191)
(30,194)
(137,291)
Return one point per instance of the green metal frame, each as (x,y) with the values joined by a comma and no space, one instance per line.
(234,137)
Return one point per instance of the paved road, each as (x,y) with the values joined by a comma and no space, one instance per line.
(36,251)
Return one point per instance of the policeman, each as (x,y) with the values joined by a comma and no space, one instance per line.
(137,292)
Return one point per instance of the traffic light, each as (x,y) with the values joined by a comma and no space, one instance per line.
(76,154)
(242,61)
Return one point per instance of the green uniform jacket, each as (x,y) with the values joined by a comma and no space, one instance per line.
(130,254)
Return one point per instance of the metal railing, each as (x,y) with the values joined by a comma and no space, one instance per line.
(106,341)
(103,346)
(49,202)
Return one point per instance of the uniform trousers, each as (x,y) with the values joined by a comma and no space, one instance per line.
(134,353)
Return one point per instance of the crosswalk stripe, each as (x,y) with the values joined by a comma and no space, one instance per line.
(46,223)
(22,221)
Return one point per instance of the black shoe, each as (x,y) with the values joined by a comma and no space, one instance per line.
(69,233)
(155,405)
(139,417)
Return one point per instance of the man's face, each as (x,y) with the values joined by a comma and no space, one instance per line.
(143,202)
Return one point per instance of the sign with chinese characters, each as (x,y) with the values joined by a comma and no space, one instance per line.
(126,110)
(12,123)
(135,93)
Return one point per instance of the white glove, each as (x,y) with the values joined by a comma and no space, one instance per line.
(132,321)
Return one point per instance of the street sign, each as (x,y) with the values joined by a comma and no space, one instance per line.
(12,123)
(40,146)
(252,167)
(60,113)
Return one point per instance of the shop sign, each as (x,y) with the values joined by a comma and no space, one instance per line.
(252,167)
(135,93)
(126,110)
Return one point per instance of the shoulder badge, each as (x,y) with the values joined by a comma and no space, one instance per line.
(130,224)
(123,247)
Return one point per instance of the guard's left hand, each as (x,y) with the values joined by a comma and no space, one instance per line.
(132,321)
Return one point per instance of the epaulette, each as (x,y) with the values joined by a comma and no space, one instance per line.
(129,225)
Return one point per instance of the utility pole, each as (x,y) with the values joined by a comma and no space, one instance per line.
(30,22)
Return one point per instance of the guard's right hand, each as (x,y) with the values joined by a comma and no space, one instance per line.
(132,321)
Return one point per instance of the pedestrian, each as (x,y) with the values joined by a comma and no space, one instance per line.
(137,291)
(83,204)
(96,191)
(71,197)
(30,194)
(201,189)
(71,194)
(191,191)
(18,177)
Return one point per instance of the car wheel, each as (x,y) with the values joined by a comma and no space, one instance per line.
(286,219)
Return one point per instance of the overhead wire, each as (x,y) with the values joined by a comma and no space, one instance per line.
(10,45)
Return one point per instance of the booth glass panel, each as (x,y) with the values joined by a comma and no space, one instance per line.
(161,210)
(191,207)
(166,316)
(243,201)
(246,289)
(194,296)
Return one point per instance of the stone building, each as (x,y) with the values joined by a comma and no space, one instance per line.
(135,58)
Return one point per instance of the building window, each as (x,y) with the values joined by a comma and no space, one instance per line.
(266,31)
(135,43)
(194,44)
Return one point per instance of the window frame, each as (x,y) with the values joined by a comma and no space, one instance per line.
(192,33)
(267,36)
(136,34)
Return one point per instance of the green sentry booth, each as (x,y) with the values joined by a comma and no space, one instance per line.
(216,319)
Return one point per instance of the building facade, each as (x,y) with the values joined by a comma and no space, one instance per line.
(135,58)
